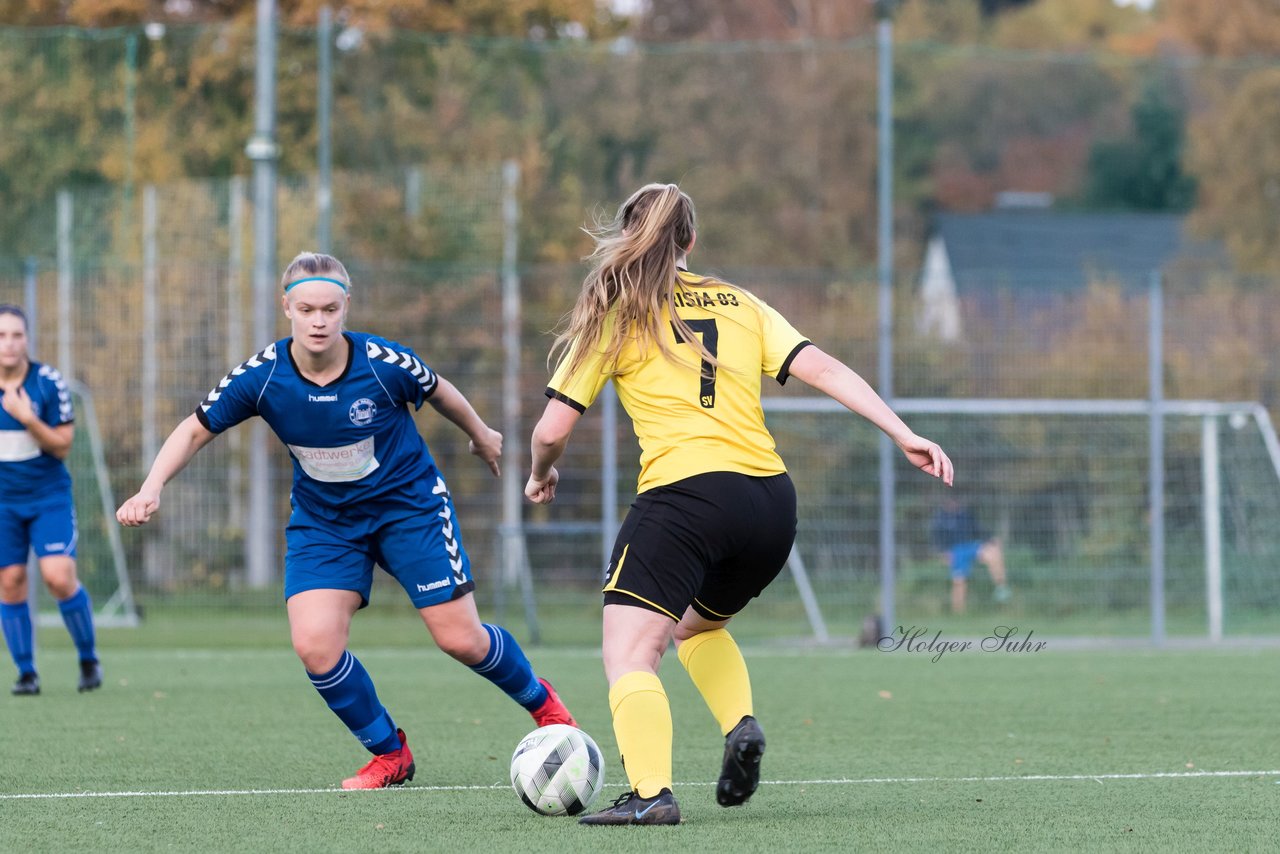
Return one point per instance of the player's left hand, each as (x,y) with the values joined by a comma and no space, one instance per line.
(16,402)
(488,448)
(928,457)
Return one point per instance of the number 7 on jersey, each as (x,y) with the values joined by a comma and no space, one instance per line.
(710,340)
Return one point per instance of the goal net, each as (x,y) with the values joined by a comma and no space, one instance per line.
(1065,486)
(100,560)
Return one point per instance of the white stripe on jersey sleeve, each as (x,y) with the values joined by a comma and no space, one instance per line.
(424,376)
(65,412)
(254,361)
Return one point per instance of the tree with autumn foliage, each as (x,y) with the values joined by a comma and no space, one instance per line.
(511,18)
(1235,123)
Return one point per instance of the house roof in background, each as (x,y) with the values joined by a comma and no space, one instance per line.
(1050,250)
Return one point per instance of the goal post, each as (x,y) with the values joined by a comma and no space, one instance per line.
(100,558)
(1069,478)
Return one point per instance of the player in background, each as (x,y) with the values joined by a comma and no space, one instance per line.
(956,536)
(36,510)
(365,490)
(715,516)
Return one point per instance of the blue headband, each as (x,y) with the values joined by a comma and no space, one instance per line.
(340,284)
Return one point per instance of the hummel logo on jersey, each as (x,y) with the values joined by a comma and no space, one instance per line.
(322,398)
(435,585)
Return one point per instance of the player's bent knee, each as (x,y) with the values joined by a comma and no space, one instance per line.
(318,655)
(693,624)
(465,646)
(13,583)
(316,662)
(61,589)
(59,574)
(643,657)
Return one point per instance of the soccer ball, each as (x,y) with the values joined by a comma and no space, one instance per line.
(557,770)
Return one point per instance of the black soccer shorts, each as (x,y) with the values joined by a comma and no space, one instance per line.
(714,541)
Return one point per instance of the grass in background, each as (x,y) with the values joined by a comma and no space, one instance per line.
(215,705)
(570,615)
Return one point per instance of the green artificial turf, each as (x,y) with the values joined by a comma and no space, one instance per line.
(214,745)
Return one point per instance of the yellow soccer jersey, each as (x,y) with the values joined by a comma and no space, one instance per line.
(688,423)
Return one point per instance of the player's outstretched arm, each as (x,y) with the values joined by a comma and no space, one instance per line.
(836,379)
(550,438)
(183,443)
(486,443)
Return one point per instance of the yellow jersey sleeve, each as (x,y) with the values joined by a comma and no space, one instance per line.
(781,342)
(580,390)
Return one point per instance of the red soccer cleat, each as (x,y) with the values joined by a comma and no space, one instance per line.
(386,769)
(553,711)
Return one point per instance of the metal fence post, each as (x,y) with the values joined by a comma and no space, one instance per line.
(324,133)
(515,559)
(888,556)
(235,342)
(29,300)
(260,539)
(1211,475)
(65,285)
(1156,476)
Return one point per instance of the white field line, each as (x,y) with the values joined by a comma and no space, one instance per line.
(1037,778)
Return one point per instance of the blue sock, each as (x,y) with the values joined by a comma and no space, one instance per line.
(18,634)
(77,613)
(506,667)
(349,692)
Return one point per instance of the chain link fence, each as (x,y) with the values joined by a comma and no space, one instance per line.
(142,286)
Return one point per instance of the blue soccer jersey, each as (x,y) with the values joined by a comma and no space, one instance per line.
(26,472)
(352,441)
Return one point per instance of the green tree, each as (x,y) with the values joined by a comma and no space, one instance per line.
(1143,171)
(1237,164)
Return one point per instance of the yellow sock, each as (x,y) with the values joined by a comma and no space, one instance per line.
(716,667)
(642,725)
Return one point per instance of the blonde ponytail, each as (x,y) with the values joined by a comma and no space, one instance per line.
(633,274)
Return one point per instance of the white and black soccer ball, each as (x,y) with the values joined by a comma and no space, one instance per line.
(557,770)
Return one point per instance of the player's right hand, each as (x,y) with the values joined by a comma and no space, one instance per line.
(18,405)
(542,491)
(138,509)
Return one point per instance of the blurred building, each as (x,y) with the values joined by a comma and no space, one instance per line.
(1027,251)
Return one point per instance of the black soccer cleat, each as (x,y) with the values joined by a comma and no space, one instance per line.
(90,676)
(740,774)
(630,808)
(28,684)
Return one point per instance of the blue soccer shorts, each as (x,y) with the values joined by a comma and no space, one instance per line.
(413,535)
(962,558)
(47,525)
